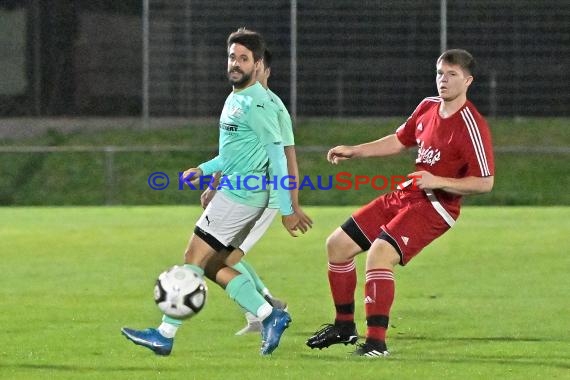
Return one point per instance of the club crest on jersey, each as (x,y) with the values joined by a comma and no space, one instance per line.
(428,155)
(236,111)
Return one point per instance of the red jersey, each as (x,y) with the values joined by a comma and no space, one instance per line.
(457,146)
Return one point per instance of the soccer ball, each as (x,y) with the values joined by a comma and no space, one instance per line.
(180,293)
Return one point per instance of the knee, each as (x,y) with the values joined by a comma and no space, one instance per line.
(382,255)
(330,245)
(338,250)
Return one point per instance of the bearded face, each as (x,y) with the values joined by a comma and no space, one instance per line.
(241,66)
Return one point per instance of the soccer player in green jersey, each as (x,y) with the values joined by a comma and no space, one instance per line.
(262,224)
(250,145)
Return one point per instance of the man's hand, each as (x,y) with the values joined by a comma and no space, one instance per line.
(340,153)
(305,222)
(194,174)
(210,191)
(290,222)
(424,180)
(206,197)
(462,186)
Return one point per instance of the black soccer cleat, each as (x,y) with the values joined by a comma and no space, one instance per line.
(372,350)
(331,334)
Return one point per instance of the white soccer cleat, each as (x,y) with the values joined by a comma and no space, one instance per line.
(253,324)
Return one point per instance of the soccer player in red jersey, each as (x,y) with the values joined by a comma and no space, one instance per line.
(455,158)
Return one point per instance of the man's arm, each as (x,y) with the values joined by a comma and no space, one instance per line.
(264,122)
(460,186)
(208,194)
(278,169)
(212,166)
(305,221)
(386,146)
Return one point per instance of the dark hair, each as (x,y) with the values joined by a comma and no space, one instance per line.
(252,40)
(459,57)
(267,57)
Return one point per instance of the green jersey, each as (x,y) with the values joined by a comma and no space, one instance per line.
(248,122)
(285,124)
(286,128)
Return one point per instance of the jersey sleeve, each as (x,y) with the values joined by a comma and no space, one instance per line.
(278,169)
(478,149)
(406,132)
(286,128)
(285,122)
(216,164)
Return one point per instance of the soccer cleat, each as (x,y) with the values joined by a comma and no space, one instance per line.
(372,350)
(253,324)
(272,328)
(151,339)
(276,303)
(332,334)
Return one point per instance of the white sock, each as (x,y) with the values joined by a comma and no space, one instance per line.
(264,311)
(251,318)
(167,330)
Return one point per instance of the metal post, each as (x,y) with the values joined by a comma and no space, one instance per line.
(493,93)
(443,26)
(37,58)
(293,85)
(109,175)
(340,93)
(145,63)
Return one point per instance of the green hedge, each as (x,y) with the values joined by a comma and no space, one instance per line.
(80,178)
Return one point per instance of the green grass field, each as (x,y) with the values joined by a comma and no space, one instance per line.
(489,300)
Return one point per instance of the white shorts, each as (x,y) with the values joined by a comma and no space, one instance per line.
(227,221)
(258,229)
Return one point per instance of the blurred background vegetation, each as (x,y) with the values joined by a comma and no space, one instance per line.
(531,163)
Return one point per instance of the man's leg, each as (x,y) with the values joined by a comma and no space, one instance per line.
(236,258)
(215,230)
(253,323)
(235,228)
(341,250)
(236,261)
(161,339)
(400,239)
(379,289)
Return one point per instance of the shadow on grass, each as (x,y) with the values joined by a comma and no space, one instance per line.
(399,336)
(559,361)
(74,368)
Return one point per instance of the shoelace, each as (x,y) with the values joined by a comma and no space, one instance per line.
(324,328)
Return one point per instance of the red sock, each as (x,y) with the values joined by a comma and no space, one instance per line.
(342,280)
(379,295)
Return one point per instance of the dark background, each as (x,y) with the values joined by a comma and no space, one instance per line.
(355,58)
